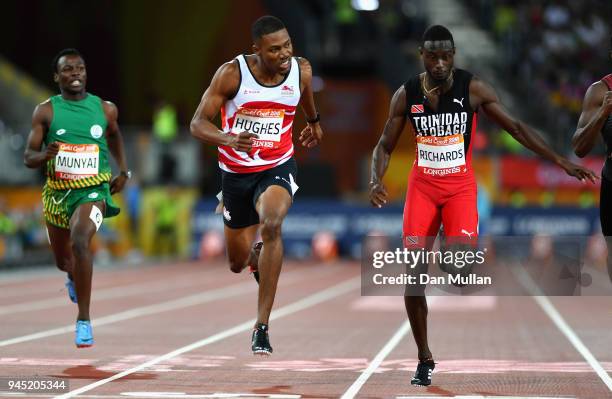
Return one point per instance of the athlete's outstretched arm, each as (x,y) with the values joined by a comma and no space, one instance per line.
(386,144)
(596,108)
(224,85)
(33,157)
(483,95)
(312,133)
(115,145)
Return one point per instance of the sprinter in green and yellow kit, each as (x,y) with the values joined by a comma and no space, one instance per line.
(78,131)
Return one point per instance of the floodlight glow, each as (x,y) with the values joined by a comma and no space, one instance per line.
(365,5)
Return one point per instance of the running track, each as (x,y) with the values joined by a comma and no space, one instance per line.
(183,331)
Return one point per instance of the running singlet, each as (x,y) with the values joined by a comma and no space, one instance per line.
(441,186)
(442,136)
(79,126)
(606,132)
(267,111)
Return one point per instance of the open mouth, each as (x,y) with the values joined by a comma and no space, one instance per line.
(76,83)
(285,64)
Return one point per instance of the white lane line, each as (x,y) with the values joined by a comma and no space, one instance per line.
(171,395)
(144,287)
(191,300)
(23,275)
(305,303)
(45,272)
(228,395)
(45,278)
(45,283)
(218,395)
(98,295)
(562,325)
(352,391)
(484,397)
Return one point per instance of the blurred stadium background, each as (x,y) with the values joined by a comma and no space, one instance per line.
(155,58)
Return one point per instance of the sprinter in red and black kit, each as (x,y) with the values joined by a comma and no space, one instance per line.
(442,105)
(442,183)
(596,119)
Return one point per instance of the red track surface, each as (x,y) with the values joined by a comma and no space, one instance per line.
(484,346)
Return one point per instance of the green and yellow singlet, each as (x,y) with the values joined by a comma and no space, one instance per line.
(79,126)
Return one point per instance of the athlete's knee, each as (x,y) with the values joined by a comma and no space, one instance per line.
(80,245)
(236,267)
(64,264)
(271,229)
(237,263)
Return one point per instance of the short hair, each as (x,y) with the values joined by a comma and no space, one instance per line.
(437,33)
(66,51)
(266,25)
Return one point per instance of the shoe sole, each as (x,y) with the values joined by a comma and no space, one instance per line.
(84,345)
(262,353)
(72,299)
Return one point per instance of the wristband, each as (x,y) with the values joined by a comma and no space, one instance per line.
(315,120)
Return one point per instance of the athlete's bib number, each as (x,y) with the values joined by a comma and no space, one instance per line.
(267,124)
(77,161)
(442,155)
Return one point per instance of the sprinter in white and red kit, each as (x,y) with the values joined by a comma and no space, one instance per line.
(258,95)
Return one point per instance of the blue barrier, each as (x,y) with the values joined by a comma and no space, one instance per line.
(350,222)
(552,221)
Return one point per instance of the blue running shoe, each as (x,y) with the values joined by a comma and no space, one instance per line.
(71,290)
(84,335)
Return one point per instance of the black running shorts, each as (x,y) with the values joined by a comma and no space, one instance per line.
(241,191)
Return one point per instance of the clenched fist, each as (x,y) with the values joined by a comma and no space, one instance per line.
(242,141)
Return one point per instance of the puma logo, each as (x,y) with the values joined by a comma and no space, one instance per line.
(467,233)
(458,102)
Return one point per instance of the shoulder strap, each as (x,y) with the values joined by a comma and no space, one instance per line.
(608,81)
(466,77)
(411,87)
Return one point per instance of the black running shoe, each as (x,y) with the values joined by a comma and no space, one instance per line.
(253,261)
(422,376)
(260,343)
